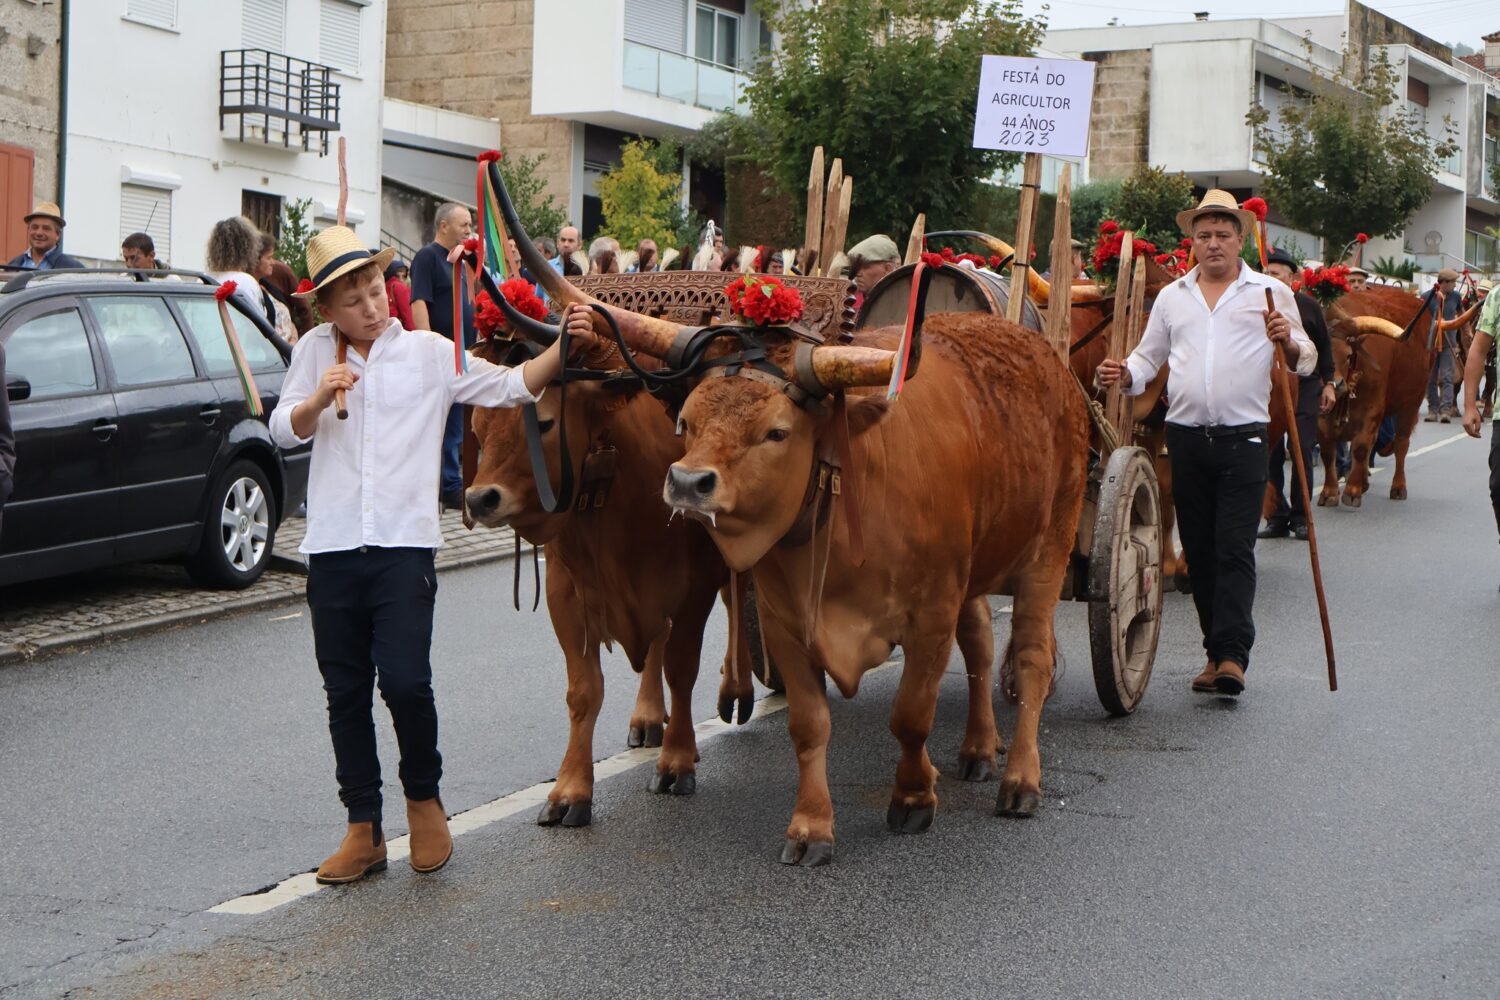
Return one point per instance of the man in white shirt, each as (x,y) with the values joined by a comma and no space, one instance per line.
(372,526)
(1213,328)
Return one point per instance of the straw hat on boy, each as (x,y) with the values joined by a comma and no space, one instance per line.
(335,252)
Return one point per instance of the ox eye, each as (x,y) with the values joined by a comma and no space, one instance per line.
(777,434)
(544,426)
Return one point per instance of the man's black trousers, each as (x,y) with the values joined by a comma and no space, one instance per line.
(1218,484)
(372,624)
(1495,470)
(1309,395)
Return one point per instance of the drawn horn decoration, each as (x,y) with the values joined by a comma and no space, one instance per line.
(646,334)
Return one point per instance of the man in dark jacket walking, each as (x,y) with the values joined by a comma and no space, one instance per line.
(1315,395)
(7,443)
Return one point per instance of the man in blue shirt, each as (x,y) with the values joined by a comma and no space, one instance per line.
(432,294)
(44,228)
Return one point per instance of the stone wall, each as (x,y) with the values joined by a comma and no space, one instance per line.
(1119,127)
(474,56)
(30,86)
(1368,27)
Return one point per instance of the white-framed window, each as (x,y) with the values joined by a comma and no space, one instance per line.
(263,25)
(160,13)
(338,35)
(147,210)
(661,24)
(717,37)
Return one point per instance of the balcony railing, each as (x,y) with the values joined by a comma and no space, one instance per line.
(277,99)
(678,77)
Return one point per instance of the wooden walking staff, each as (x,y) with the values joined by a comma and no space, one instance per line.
(1031,182)
(340,345)
(1278,376)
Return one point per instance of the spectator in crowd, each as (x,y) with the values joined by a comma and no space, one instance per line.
(432,295)
(1358,279)
(869,261)
(645,258)
(234,255)
(44,227)
(604,256)
(1440,382)
(7,441)
(272,297)
(568,243)
(398,291)
(139,250)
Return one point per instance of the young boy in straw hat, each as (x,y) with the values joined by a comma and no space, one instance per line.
(372,526)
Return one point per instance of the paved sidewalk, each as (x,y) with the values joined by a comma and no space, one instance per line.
(42,617)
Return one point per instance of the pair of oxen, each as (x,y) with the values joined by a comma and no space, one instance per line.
(969,484)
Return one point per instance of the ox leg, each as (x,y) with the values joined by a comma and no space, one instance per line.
(914,799)
(1404,427)
(735,685)
(1328,451)
(1362,448)
(677,766)
(809,836)
(1033,651)
(650,714)
(571,801)
(978,758)
(1174,568)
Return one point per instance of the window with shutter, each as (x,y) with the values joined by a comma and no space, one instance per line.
(263,25)
(162,13)
(147,210)
(661,24)
(338,44)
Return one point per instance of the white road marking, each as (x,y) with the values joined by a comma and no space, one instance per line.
(1445,442)
(482,816)
(287,618)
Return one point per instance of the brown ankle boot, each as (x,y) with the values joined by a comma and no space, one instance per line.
(1205,680)
(362,852)
(431,844)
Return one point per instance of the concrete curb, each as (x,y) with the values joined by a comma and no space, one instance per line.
(11,653)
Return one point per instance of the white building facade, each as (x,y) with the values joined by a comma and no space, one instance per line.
(180,113)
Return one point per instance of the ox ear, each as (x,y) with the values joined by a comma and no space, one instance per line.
(865,412)
(490,349)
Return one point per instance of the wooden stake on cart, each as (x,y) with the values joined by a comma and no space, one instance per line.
(1135,325)
(341,345)
(917,239)
(841,221)
(1282,380)
(1031,181)
(1060,303)
(812,239)
(827,250)
(1119,327)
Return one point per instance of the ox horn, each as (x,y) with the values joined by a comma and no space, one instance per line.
(532,329)
(1461,319)
(1376,325)
(646,334)
(845,366)
(1036,285)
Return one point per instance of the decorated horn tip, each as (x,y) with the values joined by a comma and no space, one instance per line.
(848,367)
(1376,325)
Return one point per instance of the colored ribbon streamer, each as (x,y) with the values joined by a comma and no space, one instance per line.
(903,354)
(460,356)
(241,366)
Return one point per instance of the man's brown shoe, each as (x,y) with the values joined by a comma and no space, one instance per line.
(1230,679)
(362,852)
(1205,681)
(431,844)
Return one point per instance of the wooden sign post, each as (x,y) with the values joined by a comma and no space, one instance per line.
(1031,183)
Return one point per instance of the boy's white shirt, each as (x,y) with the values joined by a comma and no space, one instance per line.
(374,477)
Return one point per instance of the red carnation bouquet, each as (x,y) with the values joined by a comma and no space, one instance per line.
(1326,284)
(764,301)
(489,320)
(1107,251)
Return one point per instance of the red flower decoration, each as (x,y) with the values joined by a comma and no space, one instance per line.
(1107,254)
(933,260)
(1256,207)
(471,245)
(995,261)
(304,286)
(764,301)
(1326,284)
(1361,237)
(491,156)
(488,317)
(1186,243)
(1108,226)
(225,290)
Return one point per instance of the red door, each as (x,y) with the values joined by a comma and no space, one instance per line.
(16,163)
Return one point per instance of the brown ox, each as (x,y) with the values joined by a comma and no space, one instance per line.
(1380,373)
(971,484)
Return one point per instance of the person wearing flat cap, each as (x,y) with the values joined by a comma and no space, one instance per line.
(869,261)
(372,527)
(1315,395)
(44,227)
(1213,327)
(1359,279)
(1440,381)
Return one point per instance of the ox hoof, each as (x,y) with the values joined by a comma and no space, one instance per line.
(1398,492)
(909,819)
(728,704)
(667,783)
(565,814)
(644,736)
(1328,500)
(1351,501)
(813,855)
(1017,803)
(976,768)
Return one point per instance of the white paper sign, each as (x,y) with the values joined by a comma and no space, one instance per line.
(1034,105)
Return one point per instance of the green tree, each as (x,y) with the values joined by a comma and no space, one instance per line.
(1092,204)
(296,230)
(1149,201)
(639,198)
(1348,156)
(539,211)
(889,86)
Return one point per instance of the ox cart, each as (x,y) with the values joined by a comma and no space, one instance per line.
(1116,562)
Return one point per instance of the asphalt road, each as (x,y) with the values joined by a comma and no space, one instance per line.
(1295,843)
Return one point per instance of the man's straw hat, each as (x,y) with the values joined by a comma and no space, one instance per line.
(1218,202)
(335,252)
(46,209)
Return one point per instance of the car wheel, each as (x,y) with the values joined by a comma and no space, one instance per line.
(238,532)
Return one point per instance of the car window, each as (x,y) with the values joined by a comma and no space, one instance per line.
(52,353)
(202,316)
(142,338)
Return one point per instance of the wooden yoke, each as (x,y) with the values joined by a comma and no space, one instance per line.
(1059,325)
(1031,182)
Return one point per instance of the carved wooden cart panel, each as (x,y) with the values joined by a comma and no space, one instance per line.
(696,298)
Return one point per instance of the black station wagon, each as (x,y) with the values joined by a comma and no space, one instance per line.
(133,438)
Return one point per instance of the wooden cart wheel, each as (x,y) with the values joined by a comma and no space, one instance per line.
(760,661)
(1124,585)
